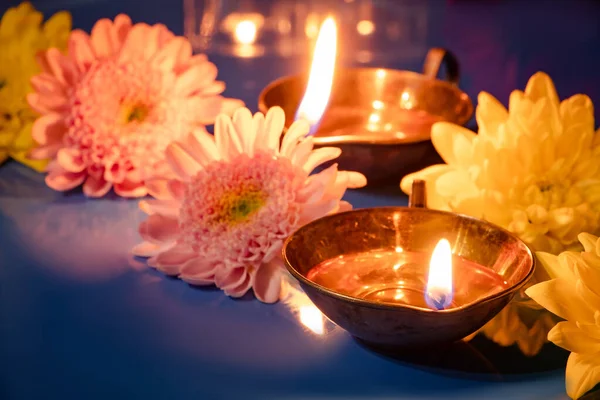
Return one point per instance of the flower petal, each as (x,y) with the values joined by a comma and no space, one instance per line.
(157,188)
(274,123)
(167,208)
(130,189)
(557,296)
(62,67)
(70,159)
(61,180)
(181,162)
(96,187)
(159,229)
(49,129)
(320,156)
(172,260)
(198,271)
(147,249)
(242,121)
(267,282)
(81,49)
(293,136)
(583,373)
(568,336)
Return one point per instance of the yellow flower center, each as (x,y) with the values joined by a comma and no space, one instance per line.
(238,207)
(134,113)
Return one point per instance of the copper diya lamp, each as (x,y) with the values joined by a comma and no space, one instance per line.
(407,276)
(380,118)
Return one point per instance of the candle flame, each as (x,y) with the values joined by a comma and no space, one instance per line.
(439,291)
(320,80)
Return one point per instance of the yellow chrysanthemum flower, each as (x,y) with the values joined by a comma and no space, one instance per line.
(22,36)
(533,169)
(574,295)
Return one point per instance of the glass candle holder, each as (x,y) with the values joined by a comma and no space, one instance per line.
(255,28)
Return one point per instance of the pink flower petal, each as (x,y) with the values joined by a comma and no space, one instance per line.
(344,206)
(206,142)
(81,49)
(228,106)
(96,187)
(230,278)
(317,185)
(258,126)
(122,26)
(274,123)
(317,210)
(242,119)
(48,129)
(62,67)
(130,189)
(44,152)
(198,271)
(320,156)
(147,249)
(176,189)
(159,229)
(134,42)
(297,131)
(47,84)
(176,51)
(115,173)
(267,282)
(47,103)
(157,188)
(195,78)
(226,138)
(172,260)
(234,282)
(240,289)
(182,163)
(70,159)
(205,108)
(302,151)
(215,88)
(104,38)
(169,208)
(61,180)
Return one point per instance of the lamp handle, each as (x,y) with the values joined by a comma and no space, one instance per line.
(418,194)
(437,56)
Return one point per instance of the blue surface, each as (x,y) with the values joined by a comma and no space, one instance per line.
(81,319)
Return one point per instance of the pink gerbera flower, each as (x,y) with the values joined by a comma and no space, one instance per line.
(111,105)
(234,200)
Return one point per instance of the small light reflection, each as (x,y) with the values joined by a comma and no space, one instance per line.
(311,317)
(378,104)
(399,249)
(399,295)
(374,118)
(397,266)
(245,32)
(365,27)
(380,73)
(406,100)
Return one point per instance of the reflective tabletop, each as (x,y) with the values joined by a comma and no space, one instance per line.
(80,318)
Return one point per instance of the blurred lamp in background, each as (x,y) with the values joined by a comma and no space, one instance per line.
(255,28)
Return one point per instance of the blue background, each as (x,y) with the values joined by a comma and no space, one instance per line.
(81,319)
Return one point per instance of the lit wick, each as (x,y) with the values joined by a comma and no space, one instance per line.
(320,80)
